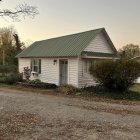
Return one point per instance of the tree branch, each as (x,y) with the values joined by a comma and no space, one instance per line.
(23,10)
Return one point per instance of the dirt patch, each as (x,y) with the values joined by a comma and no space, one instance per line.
(19,125)
(14,124)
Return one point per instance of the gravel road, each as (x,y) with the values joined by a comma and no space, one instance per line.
(33,116)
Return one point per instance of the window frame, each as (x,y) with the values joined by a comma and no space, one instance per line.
(86,65)
(36,65)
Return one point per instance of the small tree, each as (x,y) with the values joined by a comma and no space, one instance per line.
(27,72)
(10,46)
(117,75)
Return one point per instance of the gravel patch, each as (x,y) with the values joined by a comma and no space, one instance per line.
(33,116)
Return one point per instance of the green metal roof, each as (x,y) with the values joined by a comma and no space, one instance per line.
(65,46)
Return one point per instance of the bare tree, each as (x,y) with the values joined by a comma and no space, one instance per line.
(130,51)
(22,10)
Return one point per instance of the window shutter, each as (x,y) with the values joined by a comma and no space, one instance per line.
(31,65)
(39,66)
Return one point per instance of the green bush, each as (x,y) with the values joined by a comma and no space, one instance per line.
(116,75)
(36,81)
(95,89)
(68,89)
(13,78)
(2,79)
(6,69)
(38,84)
(102,92)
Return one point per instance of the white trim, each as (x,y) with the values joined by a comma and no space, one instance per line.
(78,59)
(68,71)
(100,57)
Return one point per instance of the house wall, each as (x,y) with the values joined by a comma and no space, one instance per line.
(50,72)
(23,62)
(99,44)
(84,79)
(73,71)
(138,80)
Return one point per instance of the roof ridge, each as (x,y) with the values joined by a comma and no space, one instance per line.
(70,34)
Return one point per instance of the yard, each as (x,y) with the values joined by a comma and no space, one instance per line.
(36,116)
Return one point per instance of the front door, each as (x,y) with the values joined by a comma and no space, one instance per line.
(63,72)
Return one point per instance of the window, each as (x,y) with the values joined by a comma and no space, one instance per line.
(86,65)
(36,65)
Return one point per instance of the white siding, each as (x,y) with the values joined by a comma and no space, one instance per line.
(84,79)
(73,71)
(138,80)
(23,62)
(99,44)
(50,72)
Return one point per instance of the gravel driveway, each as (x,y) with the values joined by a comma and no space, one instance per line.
(34,116)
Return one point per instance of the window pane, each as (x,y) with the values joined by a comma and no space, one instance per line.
(36,65)
(36,62)
(36,68)
(86,65)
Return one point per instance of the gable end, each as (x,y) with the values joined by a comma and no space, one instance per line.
(101,44)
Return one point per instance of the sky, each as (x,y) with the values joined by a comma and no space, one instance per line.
(120,18)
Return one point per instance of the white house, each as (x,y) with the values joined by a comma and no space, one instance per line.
(137,58)
(66,59)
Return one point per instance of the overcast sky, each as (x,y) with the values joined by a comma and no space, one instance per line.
(121,18)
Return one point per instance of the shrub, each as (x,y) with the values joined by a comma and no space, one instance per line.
(116,75)
(2,79)
(38,84)
(102,92)
(6,69)
(13,78)
(95,89)
(36,81)
(19,77)
(27,73)
(68,89)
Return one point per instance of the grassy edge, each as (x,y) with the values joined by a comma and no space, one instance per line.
(89,97)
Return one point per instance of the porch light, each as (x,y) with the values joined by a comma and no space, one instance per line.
(54,62)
